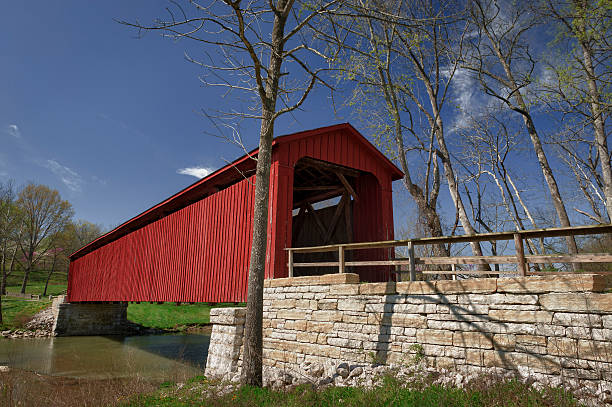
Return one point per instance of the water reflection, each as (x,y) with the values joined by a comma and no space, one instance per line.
(152,356)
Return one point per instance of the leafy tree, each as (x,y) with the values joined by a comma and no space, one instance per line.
(43,215)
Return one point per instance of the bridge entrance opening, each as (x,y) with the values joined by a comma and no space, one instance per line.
(323,203)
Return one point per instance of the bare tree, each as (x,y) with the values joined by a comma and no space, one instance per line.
(372,64)
(578,85)
(405,55)
(262,51)
(489,148)
(502,61)
(43,214)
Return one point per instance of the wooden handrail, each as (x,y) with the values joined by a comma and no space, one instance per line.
(519,258)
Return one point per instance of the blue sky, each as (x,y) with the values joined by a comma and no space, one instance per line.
(105,118)
(110,120)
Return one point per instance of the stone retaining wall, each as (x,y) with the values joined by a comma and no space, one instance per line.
(74,319)
(557,326)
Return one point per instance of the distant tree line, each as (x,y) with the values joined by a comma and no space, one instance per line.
(37,231)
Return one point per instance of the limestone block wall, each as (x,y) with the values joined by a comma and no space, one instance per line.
(74,319)
(555,326)
(225,341)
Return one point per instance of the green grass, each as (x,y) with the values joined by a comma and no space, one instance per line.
(16,311)
(392,392)
(36,282)
(169,315)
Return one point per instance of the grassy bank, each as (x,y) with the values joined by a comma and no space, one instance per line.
(16,311)
(36,282)
(392,392)
(171,316)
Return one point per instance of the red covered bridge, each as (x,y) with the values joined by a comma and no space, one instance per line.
(195,245)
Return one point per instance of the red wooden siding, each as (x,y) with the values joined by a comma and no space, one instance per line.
(195,246)
(199,253)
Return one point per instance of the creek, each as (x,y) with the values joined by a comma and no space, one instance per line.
(155,357)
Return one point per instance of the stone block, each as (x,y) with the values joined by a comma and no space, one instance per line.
(310,337)
(377,288)
(416,287)
(549,284)
(327,304)
(319,326)
(327,316)
(461,309)
(474,285)
(354,319)
(601,334)
(291,314)
(452,325)
(521,316)
(577,302)
(595,350)
(442,362)
(284,303)
(571,319)
(562,347)
(344,289)
(339,278)
(607,321)
(351,305)
(306,304)
(227,316)
(473,340)
(292,281)
(409,320)
(298,325)
(498,299)
(505,342)
(434,336)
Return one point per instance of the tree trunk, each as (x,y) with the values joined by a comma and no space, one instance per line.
(26,276)
(598,125)
(49,276)
(253,341)
(253,326)
(454,191)
(2,289)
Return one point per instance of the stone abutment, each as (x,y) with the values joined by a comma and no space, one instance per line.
(557,327)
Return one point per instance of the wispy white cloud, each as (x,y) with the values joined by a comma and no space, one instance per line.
(100,181)
(198,172)
(70,178)
(13,130)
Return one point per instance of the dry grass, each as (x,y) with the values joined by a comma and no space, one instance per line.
(22,388)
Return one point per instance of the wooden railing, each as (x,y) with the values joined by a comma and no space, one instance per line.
(519,257)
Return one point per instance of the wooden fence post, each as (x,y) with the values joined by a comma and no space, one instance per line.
(520,254)
(412,268)
(340,259)
(290,263)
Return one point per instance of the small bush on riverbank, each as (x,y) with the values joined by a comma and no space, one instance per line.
(392,392)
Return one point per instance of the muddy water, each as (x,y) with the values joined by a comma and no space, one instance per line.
(158,357)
